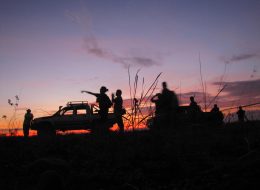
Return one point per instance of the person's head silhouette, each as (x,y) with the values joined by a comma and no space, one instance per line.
(164,85)
(103,90)
(118,92)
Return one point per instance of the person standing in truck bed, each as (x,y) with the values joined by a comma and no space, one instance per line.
(103,101)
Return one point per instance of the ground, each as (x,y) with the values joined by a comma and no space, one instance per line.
(188,157)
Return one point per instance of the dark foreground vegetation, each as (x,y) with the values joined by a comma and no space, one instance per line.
(190,157)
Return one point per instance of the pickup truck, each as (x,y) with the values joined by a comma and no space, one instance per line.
(77,115)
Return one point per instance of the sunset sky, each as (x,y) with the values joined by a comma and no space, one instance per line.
(50,50)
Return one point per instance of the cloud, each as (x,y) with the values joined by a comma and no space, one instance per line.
(193,93)
(243,89)
(240,93)
(241,57)
(135,61)
(199,97)
(92,47)
(143,61)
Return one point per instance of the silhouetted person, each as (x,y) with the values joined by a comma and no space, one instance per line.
(241,114)
(156,99)
(215,109)
(216,115)
(193,103)
(118,109)
(103,101)
(194,109)
(159,115)
(169,105)
(28,117)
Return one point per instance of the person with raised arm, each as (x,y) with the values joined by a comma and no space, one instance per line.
(103,101)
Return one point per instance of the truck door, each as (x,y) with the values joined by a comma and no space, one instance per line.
(65,121)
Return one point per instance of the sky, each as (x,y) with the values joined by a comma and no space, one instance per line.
(50,50)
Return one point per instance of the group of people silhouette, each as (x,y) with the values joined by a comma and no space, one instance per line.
(166,108)
(105,103)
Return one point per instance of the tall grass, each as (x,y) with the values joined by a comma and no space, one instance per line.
(13,121)
(139,110)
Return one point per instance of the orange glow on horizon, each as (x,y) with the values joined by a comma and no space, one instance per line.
(16,129)
(18,132)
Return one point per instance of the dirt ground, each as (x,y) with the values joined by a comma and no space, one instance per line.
(183,157)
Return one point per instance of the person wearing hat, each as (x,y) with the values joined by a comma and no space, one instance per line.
(28,117)
(103,101)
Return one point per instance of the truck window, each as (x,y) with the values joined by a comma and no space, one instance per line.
(68,112)
(81,111)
